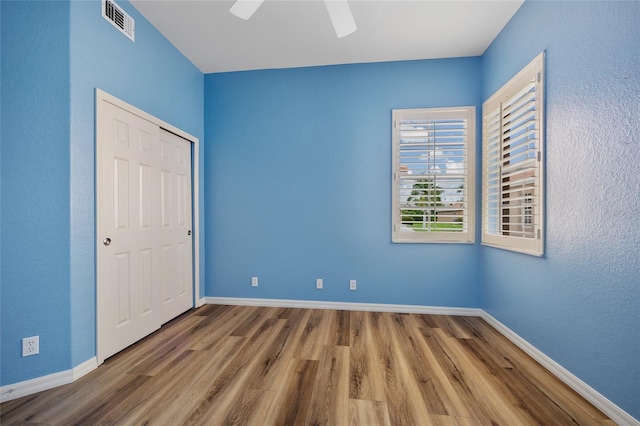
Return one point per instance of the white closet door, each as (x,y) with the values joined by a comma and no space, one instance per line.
(175,207)
(144,250)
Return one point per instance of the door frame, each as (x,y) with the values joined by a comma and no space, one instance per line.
(102,96)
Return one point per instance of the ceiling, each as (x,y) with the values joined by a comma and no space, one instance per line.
(299,33)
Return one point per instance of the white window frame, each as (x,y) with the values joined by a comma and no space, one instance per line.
(513,163)
(462,200)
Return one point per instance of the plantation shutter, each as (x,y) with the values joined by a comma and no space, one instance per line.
(433,175)
(512,215)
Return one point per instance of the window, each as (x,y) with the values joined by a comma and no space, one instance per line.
(528,211)
(513,163)
(433,175)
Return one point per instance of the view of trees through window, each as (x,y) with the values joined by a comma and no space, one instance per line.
(433,159)
(426,208)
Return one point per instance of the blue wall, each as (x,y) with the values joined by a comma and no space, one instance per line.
(580,304)
(149,74)
(54,55)
(298,184)
(297,178)
(0,168)
(35,187)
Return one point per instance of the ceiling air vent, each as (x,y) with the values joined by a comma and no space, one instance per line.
(119,18)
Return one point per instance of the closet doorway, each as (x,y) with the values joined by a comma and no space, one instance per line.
(144,224)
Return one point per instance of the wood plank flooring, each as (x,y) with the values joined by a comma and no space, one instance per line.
(232,365)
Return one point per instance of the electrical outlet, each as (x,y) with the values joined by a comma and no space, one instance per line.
(30,346)
(352,284)
(254,281)
(319,283)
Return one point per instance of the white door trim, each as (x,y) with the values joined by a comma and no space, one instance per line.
(104,96)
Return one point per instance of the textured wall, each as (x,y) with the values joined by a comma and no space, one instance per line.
(35,187)
(298,183)
(580,304)
(149,74)
(54,55)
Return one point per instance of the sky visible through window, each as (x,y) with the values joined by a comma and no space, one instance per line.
(433,151)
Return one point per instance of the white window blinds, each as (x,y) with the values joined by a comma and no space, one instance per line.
(513,163)
(433,175)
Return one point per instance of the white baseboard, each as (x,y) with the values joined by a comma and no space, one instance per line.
(39,384)
(344,306)
(614,412)
(85,368)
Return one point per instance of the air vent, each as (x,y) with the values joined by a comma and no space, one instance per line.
(119,18)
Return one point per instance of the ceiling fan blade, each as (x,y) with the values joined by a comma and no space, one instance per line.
(245,8)
(341,17)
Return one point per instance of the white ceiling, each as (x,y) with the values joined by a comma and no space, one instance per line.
(299,33)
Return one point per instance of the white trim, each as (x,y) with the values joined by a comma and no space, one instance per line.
(104,96)
(532,73)
(614,412)
(345,306)
(85,368)
(401,233)
(610,409)
(39,384)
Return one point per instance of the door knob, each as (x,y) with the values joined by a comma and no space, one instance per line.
(189,232)
(106,241)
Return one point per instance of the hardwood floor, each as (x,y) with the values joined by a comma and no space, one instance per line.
(281,366)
